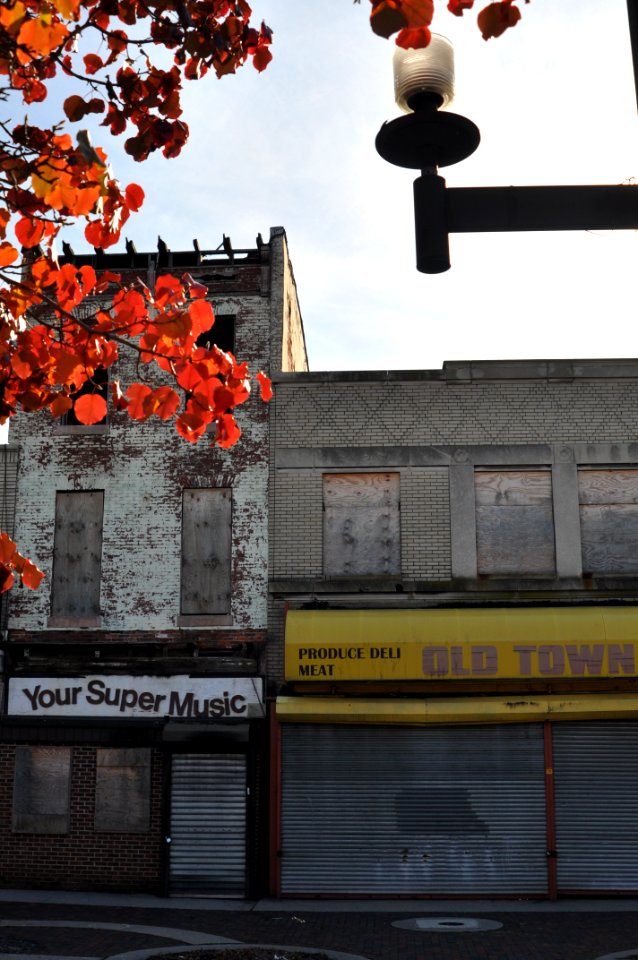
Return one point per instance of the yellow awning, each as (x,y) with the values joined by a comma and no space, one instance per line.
(462,710)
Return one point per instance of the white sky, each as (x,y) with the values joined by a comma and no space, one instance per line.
(294,146)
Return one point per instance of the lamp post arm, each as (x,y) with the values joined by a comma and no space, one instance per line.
(499,209)
(440,211)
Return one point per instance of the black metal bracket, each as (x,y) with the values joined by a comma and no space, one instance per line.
(439,211)
(429,138)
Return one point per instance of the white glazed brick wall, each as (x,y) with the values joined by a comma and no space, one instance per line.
(412,413)
(425,524)
(298,524)
(143,469)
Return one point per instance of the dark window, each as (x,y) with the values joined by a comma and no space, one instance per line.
(99,383)
(221,334)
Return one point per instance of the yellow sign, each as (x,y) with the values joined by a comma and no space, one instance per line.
(521,643)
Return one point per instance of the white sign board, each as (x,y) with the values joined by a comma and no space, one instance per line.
(190,698)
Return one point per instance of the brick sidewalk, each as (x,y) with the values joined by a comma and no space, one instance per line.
(523,936)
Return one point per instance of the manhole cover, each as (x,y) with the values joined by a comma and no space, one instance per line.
(447,924)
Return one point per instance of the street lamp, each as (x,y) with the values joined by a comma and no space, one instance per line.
(428,137)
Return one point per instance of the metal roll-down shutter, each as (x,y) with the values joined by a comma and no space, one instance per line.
(208,825)
(596,796)
(392,810)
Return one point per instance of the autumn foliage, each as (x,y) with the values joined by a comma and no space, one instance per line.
(411,19)
(61,325)
(50,351)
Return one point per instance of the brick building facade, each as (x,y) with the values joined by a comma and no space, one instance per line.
(454,582)
(134,732)
(414,670)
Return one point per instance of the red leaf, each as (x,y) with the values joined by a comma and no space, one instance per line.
(134,196)
(265,386)
(414,39)
(190,426)
(90,408)
(31,575)
(167,401)
(7,548)
(195,288)
(202,316)
(458,6)
(386,17)
(417,13)
(75,108)
(262,58)
(92,63)
(389,16)
(138,395)
(29,232)
(495,19)
(228,433)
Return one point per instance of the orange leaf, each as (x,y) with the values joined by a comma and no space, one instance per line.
(90,408)
(495,19)
(8,254)
(265,386)
(29,232)
(61,405)
(31,576)
(37,38)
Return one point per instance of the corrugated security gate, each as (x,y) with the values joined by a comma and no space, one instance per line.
(208,825)
(384,810)
(596,797)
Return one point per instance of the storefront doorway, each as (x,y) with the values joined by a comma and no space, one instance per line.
(207,854)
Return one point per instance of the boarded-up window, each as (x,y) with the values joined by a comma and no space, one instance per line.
(515,522)
(206,551)
(77,558)
(123,791)
(41,790)
(361,524)
(609,520)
